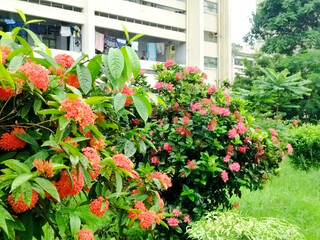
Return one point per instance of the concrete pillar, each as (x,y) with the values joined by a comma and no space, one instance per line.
(88,33)
(194,34)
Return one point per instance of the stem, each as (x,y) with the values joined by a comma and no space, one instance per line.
(54,227)
(29,125)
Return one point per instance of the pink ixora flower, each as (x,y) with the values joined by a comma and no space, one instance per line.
(212,89)
(173,222)
(226,159)
(142,72)
(169,86)
(155,160)
(179,76)
(203,111)
(169,63)
(191,69)
(158,85)
(273,132)
(224,112)
(224,175)
(176,212)
(242,149)
(196,106)
(232,133)
(167,147)
(234,167)
(289,148)
(241,128)
(227,98)
(186,218)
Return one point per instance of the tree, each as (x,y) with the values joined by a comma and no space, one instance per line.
(278,89)
(286,26)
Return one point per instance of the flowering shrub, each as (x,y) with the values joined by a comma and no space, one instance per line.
(305,141)
(206,142)
(67,146)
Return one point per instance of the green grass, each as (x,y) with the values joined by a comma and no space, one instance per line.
(293,196)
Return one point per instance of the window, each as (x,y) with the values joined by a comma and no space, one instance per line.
(210,37)
(238,62)
(210,7)
(210,62)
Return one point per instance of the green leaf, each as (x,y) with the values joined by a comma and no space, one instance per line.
(34,21)
(115,62)
(161,101)
(48,187)
(95,131)
(27,138)
(105,69)
(63,122)
(75,91)
(6,75)
(16,62)
(129,148)
(84,77)
(140,196)
(119,101)
(76,62)
(96,100)
(6,156)
(118,184)
(164,224)
(26,190)
(125,32)
(139,35)
(50,111)
(23,17)
(17,166)
(43,154)
(21,179)
(3,34)
(48,58)
(75,224)
(141,107)
(25,110)
(142,146)
(26,47)
(134,61)
(94,66)
(37,104)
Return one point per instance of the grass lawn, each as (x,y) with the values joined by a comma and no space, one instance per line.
(293,196)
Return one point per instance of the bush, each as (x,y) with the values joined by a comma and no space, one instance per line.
(305,141)
(231,225)
(63,173)
(206,142)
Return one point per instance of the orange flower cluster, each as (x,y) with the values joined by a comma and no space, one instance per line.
(5,93)
(36,74)
(72,80)
(95,206)
(93,157)
(79,110)
(97,143)
(163,178)
(44,168)
(67,188)
(64,60)
(20,206)
(123,161)
(85,234)
(146,217)
(5,51)
(9,141)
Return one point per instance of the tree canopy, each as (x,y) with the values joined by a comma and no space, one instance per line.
(286,26)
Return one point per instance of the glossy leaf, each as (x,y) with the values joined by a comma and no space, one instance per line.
(115,62)
(84,77)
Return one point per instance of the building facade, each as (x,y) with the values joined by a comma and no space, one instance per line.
(193,33)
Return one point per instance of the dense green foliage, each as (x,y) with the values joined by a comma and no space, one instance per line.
(306,108)
(286,26)
(293,196)
(305,141)
(231,225)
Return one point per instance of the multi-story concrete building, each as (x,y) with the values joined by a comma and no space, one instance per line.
(193,33)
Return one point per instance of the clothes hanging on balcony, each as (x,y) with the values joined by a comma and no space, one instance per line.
(110,42)
(121,42)
(135,46)
(65,31)
(151,51)
(11,24)
(75,41)
(160,48)
(99,41)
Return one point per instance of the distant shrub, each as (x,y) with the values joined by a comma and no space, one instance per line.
(231,225)
(305,141)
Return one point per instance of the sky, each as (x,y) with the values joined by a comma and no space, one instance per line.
(240,12)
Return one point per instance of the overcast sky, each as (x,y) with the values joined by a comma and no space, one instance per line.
(240,11)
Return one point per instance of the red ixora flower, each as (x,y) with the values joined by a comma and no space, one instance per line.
(79,110)
(72,80)
(163,178)
(67,188)
(20,206)
(155,160)
(169,63)
(64,59)
(123,161)
(179,76)
(5,93)
(167,147)
(37,74)
(95,206)
(5,51)
(136,122)
(192,164)
(94,159)
(85,234)
(9,141)
(129,92)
